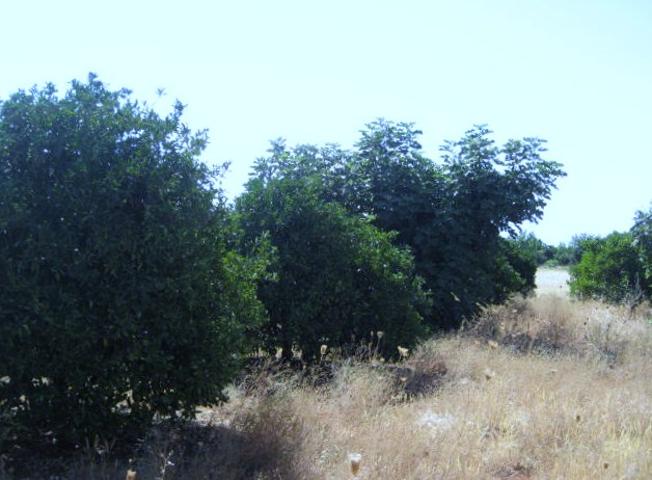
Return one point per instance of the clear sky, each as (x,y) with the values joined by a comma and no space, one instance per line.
(575,72)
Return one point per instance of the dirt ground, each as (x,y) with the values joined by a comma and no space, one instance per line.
(552,280)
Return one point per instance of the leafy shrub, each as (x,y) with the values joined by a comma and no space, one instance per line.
(119,297)
(571,253)
(533,248)
(337,277)
(610,270)
(642,232)
(515,270)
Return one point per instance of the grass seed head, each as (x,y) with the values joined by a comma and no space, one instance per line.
(355,459)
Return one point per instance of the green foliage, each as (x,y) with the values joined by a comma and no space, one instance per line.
(610,270)
(336,276)
(517,264)
(562,256)
(119,299)
(533,248)
(570,254)
(642,232)
(450,214)
(617,268)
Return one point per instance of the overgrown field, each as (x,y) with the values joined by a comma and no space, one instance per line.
(544,388)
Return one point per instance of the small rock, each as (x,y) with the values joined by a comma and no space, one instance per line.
(441,422)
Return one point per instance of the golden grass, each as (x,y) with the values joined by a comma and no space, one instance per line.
(581,411)
(574,403)
(536,417)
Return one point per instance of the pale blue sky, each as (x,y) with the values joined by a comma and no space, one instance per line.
(578,73)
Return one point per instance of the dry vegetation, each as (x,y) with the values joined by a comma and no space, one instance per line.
(544,388)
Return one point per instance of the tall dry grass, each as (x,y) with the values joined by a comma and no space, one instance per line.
(544,388)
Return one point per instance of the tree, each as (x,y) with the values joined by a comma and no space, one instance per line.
(642,232)
(618,267)
(517,262)
(571,254)
(120,299)
(449,214)
(610,270)
(336,276)
(533,248)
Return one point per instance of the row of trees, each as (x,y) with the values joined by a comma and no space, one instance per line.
(448,215)
(562,255)
(616,268)
(130,287)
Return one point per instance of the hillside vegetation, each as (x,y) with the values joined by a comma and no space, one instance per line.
(544,388)
(363,311)
(132,290)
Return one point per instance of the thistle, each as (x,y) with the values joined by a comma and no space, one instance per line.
(355,459)
(403,352)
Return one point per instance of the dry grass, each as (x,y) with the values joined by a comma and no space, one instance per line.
(554,324)
(575,402)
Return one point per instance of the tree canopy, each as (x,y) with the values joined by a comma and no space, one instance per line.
(618,267)
(336,277)
(450,214)
(120,298)
(131,288)
(610,270)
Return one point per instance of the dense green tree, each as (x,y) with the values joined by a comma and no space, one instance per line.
(610,270)
(450,214)
(119,298)
(517,262)
(642,232)
(336,276)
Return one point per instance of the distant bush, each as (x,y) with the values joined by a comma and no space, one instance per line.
(566,255)
(610,270)
(562,255)
(533,248)
(119,298)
